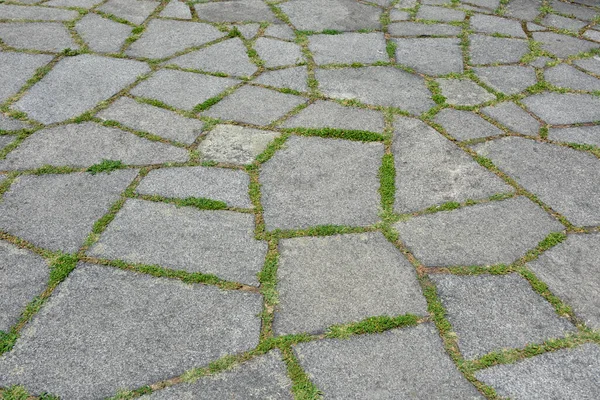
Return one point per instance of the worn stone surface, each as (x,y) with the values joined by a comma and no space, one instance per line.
(292,78)
(177,9)
(102,34)
(576,134)
(248,30)
(513,117)
(342,15)
(561,22)
(465,125)
(348,48)
(16,69)
(492,24)
(562,45)
(16,12)
(575,10)
(277,53)
(564,108)
(134,11)
(524,9)
(589,64)
(564,75)
(43,36)
(431,56)
(280,31)
(440,14)
(70,3)
(508,79)
(235,11)
(420,30)
(492,50)
(462,92)
(8,124)
(6,140)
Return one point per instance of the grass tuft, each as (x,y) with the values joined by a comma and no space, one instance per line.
(105,166)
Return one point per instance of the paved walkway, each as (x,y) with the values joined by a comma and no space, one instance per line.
(347,199)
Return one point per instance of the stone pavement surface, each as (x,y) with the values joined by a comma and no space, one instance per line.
(279,199)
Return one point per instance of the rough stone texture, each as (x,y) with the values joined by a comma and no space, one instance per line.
(44,36)
(440,14)
(277,53)
(280,31)
(134,11)
(485,234)
(15,12)
(248,31)
(315,181)
(341,15)
(564,75)
(348,48)
(492,24)
(491,4)
(16,69)
(560,22)
(524,9)
(576,134)
(558,108)
(430,56)
(6,140)
(177,9)
(10,124)
(513,117)
(491,50)
(576,11)
(156,328)
(397,15)
(71,3)
(465,125)
(589,64)
(509,79)
(57,212)
(212,242)
(420,30)
(462,92)
(540,62)
(101,34)
(293,78)
(235,11)
(592,34)
(323,281)
(562,45)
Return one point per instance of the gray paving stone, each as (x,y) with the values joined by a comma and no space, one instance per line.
(464,92)
(134,11)
(562,45)
(15,12)
(277,53)
(492,24)
(235,144)
(385,86)
(589,64)
(492,313)
(323,281)
(235,11)
(491,4)
(280,31)
(44,36)
(568,182)
(57,212)
(389,365)
(248,31)
(540,62)
(565,76)
(184,238)
(576,134)
(23,275)
(16,69)
(406,3)
(498,232)
(293,78)
(584,13)
(431,56)
(524,9)
(101,34)
(129,330)
(177,9)
(465,125)
(76,84)
(348,48)
(421,30)
(436,2)
(228,185)
(567,108)
(72,3)
(155,120)
(316,181)
(592,34)
(5,141)
(440,14)
(341,15)
(533,27)
(492,50)
(397,15)
(10,124)
(181,89)
(509,79)
(563,374)
(513,117)
(560,22)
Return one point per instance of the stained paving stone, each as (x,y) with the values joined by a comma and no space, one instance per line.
(182,89)
(462,92)
(561,22)
(228,185)
(16,12)
(293,78)
(577,134)
(568,181)
(277,53)
(134,11)
(465,125)
(43,36)
(418,29)
(177,9)
(316,181)
(76,84)
(342,15)
(492,24)
(235,11)
(16,69)
(280,31)
(431,56)
(563,45)
(492,313)
(498,232)
(389,364)
(23,275)
(57,212)
(492,50)
(440,14)
(567,108)
(566,373)
(513,117)
(589,64)
(101,34)
(348,48)
(248,31)
(184,238)
(526,10)
(129,330)
(385,86)
(158,121)
(431,170)
(8,124)
(565,76)
(509,79)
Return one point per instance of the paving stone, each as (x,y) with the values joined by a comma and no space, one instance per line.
(533,27)
(564,108)
(463,92)
(562,45)
(385,86)
(228,185)
(565,76)
(540,62)
(44,36)
(328,114)
(15,12)
(589,64)
(16,69)
(465,125)
(509,79)
(576,134)
(431,56)
(341,15)
(76,84)
(310,183)
(293,78)
(248,31)
(348,48)
(102,35)
(440,14)
(163,38)
(397,15)
(363,272)
(5,140)
(406,3)
(421,30)
(498,232)
(389,365)
(158,121)
(72,3)
(560,22)
(526,10)
(562,374)
(491,4)
(437,2)
(264,377)
(184,238)
(493,24)
(280,31)
(568,181)
(129,330)
(181,89)
(277,53)
(254,105)
(492,50)
(584,13)
(235,11)
(496,312)
(592,34)
(235,144)
(57,212)
(134,11)
(10,124)
(177,9)
(513,117)
(23,275)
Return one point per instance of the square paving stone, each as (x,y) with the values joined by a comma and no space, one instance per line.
(465,125)
(563,45)
(440,14)
(293,78)
(513,117)
(348,48)
(563,374)
(57,212)
(15,12)
(565,76)
(340,279)
(576,134)
(431,56)
(235,11)
(492,24)
(431,170)
(509,79)
(44,36)
(134,11)
(316,181)
(462,92)
(341,15)
(177,9)
(277,53)
(102,34)
(23,275)
(76,84)
(401,363)
(409,28)
(16,69)
(492,50)
(495,312)
(128,330)
(564,108)
(211,242)
(497,232)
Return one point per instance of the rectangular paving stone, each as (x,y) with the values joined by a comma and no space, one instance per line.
(421,30)
(509,79)
(348,48)
(134,11)
(494,50)
(565,76)
(235,11)
(492,24)
(101,34)
(15,12)
(513,117)
(16,69)
(43,36)
(341,15)
(564,108)
(431,56)
(465,125)
(576,134)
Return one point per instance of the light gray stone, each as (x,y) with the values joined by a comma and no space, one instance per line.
(44,36)
(101,34)
(72,3)
(564,108)
(524,9)
(533,27)
(491,4)
(564,75)
(397,15)
(129,330)
(440,14)
(280,31)
(421,30)
(235,11)
(177,9)
(341,15)
(15,12)
(16,69)
(492,50)
(577,134)
(562,45)
(560,22)
(540,62)
(465,125)
(248,31)
(513,117)
(5,140)
(492,24)
(348,48)
(134,11)
(589,64)
(574,10)
(293,78)
(508,79)
(277,53)
(592,35)
(406,3)
(8,124)
(462,92)
(431,56)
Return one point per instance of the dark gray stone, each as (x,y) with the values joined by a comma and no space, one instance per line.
(465,125)
(44,36)
(463,92)
(440,14)
(560,22)
(134,11)
(101,34)
(16,69)
(277,53)
(431,56)
(341,15)
(562,45)
(576,134)
(420,30)
(524,9)
(509,79)
(15,12)
(177,9)
(293,78)
(564,75)
(513,117)
(567,108)
(589,64)
(492,24)
(235,11)
(492,50)
(348,48)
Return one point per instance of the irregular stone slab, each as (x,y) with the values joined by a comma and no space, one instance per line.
(589,64)
(280,31)
(385,86)
(564,108)
(390,364)
(567,373)
(177,9)
(513,117)
(560,22)
(419,29)
(130,330)
(44,36)
(341,15)
(465,125)
(10,124)
(327,114)
(492,24)
(101,34)
(248,31)
(235,11)
(16,69)
(540,62)
(348,48)
(496,312)
(523,9)
(509,79)
(464,236)
(155,120)
(576,134)
(14,12)
(562,45)
(23,275)
(277,53)
(6,140)
(364,272)
(491,4)
(592,34)
(228,185)
(316,181)
(431,56)
(569,181)
(440,14)
(184,238)
(77,84)
(493,50)
(463,92)
(57,212)
(584,13)
(431,170)
(293,78)
(71,3)
(397,15)
(181,89)
(163,38)
(135,11)
(564,75)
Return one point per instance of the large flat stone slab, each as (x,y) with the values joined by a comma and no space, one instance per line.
(576,134)
(8,124)
(16,12)
(102,34)
(293,78)
(496,50)
(42,36)
(465,125)
(341,15)
(348,48)
(563,45)
(463,92)
(277,53)
(509,79)
(513,117)
(565,76)
(422,30)
(492,24)
(16,69)
(431,56)
(235,11)
(564,108)
(134,11)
